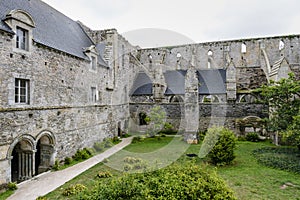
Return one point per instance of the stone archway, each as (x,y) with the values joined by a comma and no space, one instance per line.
(22,159)
(45,149)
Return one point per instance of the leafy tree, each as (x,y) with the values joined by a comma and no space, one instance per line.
(284,102)
(156,120)
(292,135)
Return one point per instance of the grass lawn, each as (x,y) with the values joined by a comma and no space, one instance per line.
(246,177)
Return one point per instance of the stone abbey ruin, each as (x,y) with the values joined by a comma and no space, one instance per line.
(64,86)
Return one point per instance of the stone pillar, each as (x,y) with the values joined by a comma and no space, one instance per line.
(231,82)
(191,106)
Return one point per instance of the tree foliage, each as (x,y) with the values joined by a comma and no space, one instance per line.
(283,99)
(156,120)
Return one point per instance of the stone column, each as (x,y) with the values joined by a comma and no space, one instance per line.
(191,106)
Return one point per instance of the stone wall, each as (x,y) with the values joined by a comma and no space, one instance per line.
(209,114)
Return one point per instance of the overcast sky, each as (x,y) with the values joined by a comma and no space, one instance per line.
(171,22)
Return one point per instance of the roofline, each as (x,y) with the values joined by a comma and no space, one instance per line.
(222,41)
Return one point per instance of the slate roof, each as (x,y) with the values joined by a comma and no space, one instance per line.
(175,81)
(101,49)
(212,81)
(53,29)
(142,85)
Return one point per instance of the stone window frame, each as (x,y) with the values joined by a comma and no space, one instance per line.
(21,20)
(243,48)
(93,63)
(22,97)
(22,38)
(93,94)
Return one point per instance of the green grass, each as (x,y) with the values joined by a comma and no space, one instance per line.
(249,179)
(6,194)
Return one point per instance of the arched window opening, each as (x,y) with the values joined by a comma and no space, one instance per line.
(244,48)
(142,119)
(248,98)
(210,99)
(210,53)
(281,45)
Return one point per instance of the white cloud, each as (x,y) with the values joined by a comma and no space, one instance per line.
(197,19)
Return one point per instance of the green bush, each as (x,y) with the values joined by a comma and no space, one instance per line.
(41,198)
(99,146)
(115,140)
(74,189)
(56,165)
(82,154)
(252,137)
(68,160)
(126,135)
(105,174)
(137,139)
(201,135)
(108,143)
(12,186)
(219,145)
(189,181)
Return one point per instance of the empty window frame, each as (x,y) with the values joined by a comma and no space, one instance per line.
(22,89)
(22,40)
(243,48)
(93,94)
(94,63)
(281,45)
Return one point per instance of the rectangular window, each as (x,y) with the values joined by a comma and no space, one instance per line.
(22,39)
(93,94)
(22,91)
(94,63)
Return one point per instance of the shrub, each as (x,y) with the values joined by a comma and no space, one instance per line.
(99,146)
(219,145)
(252,137)
(115,140)
(137,139)
(201,135)
(126,135)
(189,181)
(68,160)
(56,165)
(12,186)
(108,143)
(41,198)
(73,189)
(132,163)
(82,154)
(105,174)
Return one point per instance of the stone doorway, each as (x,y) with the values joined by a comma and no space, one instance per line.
(44,154)
(22,161)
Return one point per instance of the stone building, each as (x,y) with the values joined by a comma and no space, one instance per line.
(64,86)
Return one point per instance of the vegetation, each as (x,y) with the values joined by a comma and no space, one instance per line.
(283,98)
(219,145)
(285,158)
(156,120)
(187,181)
(252,137)
(247,177)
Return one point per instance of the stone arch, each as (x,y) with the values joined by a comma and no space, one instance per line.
(250,124)
(248,98)
(45,151)
(176,99)
(22,16)
(210,99)
(21,155)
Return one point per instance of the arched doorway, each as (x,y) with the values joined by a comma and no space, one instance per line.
(22,161)
(44,158)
